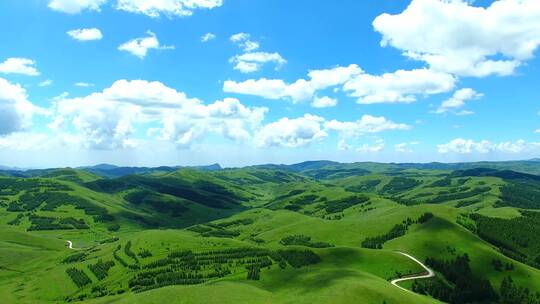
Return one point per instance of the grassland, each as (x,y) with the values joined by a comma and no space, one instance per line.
(194,236)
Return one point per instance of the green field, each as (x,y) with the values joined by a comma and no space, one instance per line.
(316,232)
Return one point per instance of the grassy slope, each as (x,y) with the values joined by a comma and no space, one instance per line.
(347,273)
(344,274)
(438,235)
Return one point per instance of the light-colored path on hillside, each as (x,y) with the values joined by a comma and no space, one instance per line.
(70,244)
(429,273)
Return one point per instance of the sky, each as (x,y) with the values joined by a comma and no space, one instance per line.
(244,82)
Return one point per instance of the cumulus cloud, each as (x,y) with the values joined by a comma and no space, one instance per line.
(378,146)
(468,146)
(25,141)
(291,133)
(300,90)
(463,39)
(401,86)
(85,34)
(404,147)
(457,101)
(45,83)
(326,78)
(108,119)
(180,8)
(271,89)
(151,8)
(324,102)
(75,6)
(83,84)
(302,131)
(140,46)
(243,41)
(207,37)
(16,110)
(17,65)
(252,62)
(366,124)
(227,117)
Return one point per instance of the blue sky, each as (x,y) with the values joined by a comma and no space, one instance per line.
(240,82)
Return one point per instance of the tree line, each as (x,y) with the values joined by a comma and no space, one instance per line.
(398,230)
(303,240)
(101,269)
(464,287)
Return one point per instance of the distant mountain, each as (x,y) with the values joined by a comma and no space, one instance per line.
(101,167)
(6,168)
(504,174)
(112,171)
(325,169)
(212,167)
(312,165)
(320,169)
(524,166)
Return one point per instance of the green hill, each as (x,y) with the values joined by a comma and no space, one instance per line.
(310,233)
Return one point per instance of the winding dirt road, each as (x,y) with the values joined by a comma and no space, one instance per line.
(428,274)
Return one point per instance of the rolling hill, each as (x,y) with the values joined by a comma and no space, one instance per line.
(312,232)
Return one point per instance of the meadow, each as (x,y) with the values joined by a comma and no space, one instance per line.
(315,232)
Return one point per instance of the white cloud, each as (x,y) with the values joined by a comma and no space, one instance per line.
(153,8)
(291,133)
(17,65)
(83,84)
(24,141)
(227,117)
(239,37)
(464,113)
(458,100)
(464,146)
(45,83)
(404,147)
(398,87)
(366,124)
(463,39)
(271,89)
(324,102)
(300,90)
(243,41)
(343,145)
(468,146)
(16,110)
(140,46)
(207,37)
(252,62)
(108,119)
(378,146)
(75,6)
(85,34)
(302,131)
(322,79)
